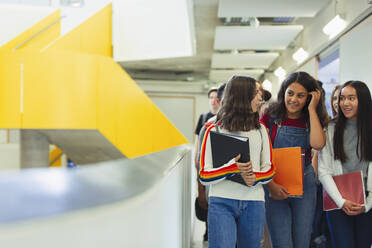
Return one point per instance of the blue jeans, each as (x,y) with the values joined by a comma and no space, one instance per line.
(290,221)
(350,231)
(232,222)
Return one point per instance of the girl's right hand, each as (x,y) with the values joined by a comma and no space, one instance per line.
(315,97)
(277,191)
(352,208)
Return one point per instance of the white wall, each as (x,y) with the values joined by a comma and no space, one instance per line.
(356,54)
(159,218)
(73,17)
(9,157)
(15,19)
(310,67)
(146,29)
(171,97)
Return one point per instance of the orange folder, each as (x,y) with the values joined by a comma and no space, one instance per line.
(289,169)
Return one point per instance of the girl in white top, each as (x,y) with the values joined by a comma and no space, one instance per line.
(349,148)
(236,212)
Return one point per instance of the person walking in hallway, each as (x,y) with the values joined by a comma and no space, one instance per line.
(295,120)
(349,149)
(236,213)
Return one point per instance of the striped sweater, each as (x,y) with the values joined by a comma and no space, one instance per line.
(261,155)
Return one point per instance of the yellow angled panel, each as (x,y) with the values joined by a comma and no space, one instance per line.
(10,77)
(143,127)
(42,38)
(107,107)
(60,91)
(55,157)
(92,36)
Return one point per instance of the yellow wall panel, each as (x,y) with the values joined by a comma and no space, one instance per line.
(42,39)
(143,127)
(107,107)
(55,157)
(10,76)
(60,91)
(75,84)
(92,36)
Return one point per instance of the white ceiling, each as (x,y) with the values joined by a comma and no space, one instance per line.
(27,2)
(216,38)
(223,75)
(15,19)
(251,38)
(243,60)
(269,8)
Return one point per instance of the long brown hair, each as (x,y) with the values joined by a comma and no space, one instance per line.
(334,111)
(236,112)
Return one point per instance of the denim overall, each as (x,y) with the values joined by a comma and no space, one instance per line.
(290,220)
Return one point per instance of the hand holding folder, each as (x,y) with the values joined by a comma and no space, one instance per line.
(350,186)
(289,169)
(225,147)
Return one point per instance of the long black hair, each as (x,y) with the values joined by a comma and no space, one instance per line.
(364,124)
(334,111)
(278,108)
(236,112)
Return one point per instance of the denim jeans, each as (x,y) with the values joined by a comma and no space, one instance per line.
(232,222)
(290,221)
(350,231)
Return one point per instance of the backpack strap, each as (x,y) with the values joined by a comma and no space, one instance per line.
(217,125)
(273,122)
(204,119)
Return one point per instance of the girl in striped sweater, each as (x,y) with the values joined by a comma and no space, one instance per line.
(236,211)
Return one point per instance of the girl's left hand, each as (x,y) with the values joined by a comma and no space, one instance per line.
(315,97)
(358,210)
(249,178)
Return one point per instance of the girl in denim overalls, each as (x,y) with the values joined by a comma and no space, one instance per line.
(296,119)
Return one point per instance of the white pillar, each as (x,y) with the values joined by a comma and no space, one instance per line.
(34,149)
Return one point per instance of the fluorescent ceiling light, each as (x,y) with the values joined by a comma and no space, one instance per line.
(267,85)
(334,27)
(280,72)
(254,22)
(300,55)
(72,3)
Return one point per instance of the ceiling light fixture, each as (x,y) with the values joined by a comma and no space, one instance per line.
(300,55)
(280,72)
(234,51)
(245,20)
(254,22)
(267,85)
(72,3)
(334,27)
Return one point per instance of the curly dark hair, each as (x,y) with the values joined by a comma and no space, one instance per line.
(278,109)
(236,112)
